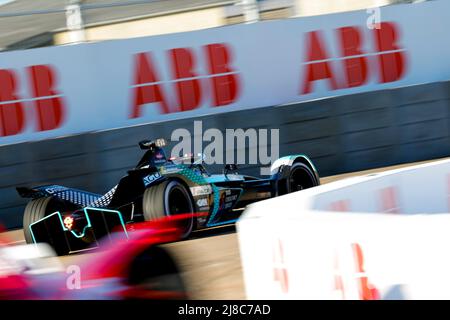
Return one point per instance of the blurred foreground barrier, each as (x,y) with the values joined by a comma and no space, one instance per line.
(296,247)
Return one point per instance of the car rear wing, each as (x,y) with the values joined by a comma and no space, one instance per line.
(79,197)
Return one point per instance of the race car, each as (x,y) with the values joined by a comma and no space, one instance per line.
(72,220)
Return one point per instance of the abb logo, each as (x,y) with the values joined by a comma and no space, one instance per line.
(280,272)
(343,281)
(391,58)
(348,275)
(147,87)
(340,205)
(46,100)
(389,200)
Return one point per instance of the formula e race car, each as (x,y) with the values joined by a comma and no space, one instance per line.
(71,220)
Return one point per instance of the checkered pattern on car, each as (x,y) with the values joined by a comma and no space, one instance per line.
(77,197)
(104,200)
(87,199)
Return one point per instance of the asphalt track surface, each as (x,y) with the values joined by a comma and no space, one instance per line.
(210,262)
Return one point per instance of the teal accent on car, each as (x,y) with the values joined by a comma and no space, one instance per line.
(88,225)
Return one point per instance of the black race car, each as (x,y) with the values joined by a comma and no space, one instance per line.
(72,220)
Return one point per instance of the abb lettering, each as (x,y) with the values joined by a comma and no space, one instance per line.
(366,290)
(47,101)
(346,276)
(391,58)
(280,272)
(148,87)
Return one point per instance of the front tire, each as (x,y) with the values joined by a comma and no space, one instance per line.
(167,199)
(300,177)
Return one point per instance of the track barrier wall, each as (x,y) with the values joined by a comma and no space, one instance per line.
(340,134)
(381,236)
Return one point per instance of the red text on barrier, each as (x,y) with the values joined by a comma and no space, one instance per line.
(47,102)
(280,273)
(188,85)
(12,112)
(319,65)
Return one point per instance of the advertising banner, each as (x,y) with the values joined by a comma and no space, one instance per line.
(57,91)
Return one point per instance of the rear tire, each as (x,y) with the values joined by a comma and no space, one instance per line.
(300,177)
(38,209)
(167,199)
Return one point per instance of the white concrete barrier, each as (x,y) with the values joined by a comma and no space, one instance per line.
(295,247)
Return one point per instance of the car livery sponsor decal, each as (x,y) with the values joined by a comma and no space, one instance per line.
(151,178)
(202,202)
(159,158)
(171,169)
(201,190)
(55,189)
(228,198)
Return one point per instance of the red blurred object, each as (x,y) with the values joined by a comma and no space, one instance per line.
(137,268)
